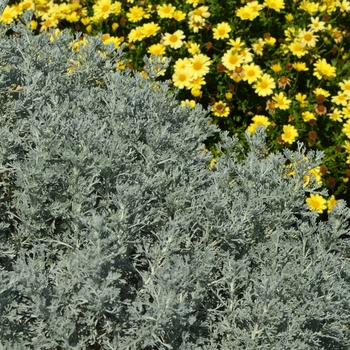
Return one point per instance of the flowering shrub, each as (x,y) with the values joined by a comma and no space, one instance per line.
(281,64)
(115,234)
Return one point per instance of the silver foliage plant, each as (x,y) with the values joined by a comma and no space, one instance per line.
(116,235)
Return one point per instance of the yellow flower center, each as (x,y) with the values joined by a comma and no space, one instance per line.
(173,38)
(198,12)
(308,37)
(264,84)
(250,73)
(182,77)
(233,59)
(315,204)
(105,8)
(197,65)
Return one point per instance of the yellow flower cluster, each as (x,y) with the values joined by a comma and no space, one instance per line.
(240,65)
(189,73)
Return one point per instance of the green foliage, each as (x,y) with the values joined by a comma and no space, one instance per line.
(116,235)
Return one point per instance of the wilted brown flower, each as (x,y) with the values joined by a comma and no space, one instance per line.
(347,172)
(208,45)
(220,67)
(312,122)
(312,135)
(320,99)
(290,118)
(331,183)
(208,26)
(323,169)
(337,36)
(270,106)
(239,71)
(283,81)
(320,109)
(289,66)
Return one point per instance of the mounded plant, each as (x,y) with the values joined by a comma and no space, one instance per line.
(116,234)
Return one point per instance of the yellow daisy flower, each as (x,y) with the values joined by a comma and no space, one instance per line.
(316,25)
(276,67)
(346,112)
(281,101)
(265,85)
(336,115)
(270,41)
(191,103)
(345,86)
(255,5)
(258,120)
(221,31)
(179,15)
(307,116)
(276,5)
(246,55)
(182,78)
(346,145)
(166,10)
(150,29)
(252,73)
(199,65)
(220,109)
(136,14)
(199,13)
(297,48)
(346,129)
(300,66)
(247,13)
(290,133)
(344,6)
(195,26)
(194,48)
(316,202)
(174,40)
(340,99)
(258,47)
(156,49)
(197,83)
(331,202)
(289,17)
(104,8)
(324,69)
(237,44)
(320,91)
(28,5)
(301,98)
(231,59)
(181,63)
(308,38)
(136,34)
(309,7)
(115,40)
